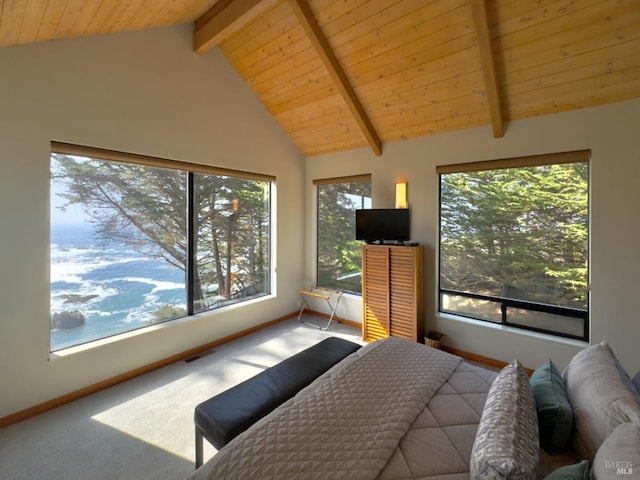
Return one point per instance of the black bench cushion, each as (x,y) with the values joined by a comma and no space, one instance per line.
(223,417)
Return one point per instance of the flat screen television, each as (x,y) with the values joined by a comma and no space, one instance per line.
(383,225)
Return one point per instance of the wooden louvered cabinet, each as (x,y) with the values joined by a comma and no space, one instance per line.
(392,292)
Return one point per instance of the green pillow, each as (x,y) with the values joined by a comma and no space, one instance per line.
(579,471)
(555,416)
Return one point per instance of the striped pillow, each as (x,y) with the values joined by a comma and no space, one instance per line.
(507,444)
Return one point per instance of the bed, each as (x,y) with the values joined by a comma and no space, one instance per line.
(399,410)
(394,409)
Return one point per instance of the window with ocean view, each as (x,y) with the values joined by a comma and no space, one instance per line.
(137,241)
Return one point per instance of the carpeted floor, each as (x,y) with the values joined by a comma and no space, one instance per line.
(143,428)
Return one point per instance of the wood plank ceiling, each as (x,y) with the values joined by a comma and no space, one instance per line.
(347,74)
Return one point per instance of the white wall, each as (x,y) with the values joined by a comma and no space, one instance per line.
(146,92)
(140,92)
(610,132)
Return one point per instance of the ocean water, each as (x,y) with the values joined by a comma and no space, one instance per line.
(129,286)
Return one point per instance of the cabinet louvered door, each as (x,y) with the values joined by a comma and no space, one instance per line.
(375,292)
(405,289)
(392,292)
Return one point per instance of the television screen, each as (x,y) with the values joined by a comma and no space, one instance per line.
(383,224)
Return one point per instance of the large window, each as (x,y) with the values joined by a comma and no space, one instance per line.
(137,241)
(339,253)
(514,242)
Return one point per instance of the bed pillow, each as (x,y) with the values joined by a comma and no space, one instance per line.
(636,381)
(506,444)
(555,416)
(599,397)
(579,471)
(624,376)
(619,455)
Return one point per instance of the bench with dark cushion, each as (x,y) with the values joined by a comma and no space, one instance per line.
(226,415)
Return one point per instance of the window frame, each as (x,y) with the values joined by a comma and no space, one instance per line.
(367,177)
(504,302)
(191,170)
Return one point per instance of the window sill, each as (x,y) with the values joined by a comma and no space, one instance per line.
(69,351)
(76,349)
(505,328)
(351,296)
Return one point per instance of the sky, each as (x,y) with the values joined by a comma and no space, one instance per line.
(74,215)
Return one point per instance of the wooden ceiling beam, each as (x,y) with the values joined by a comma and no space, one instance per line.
(225,18)
(324,50)
(481,21)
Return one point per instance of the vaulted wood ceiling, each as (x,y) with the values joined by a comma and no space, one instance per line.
(346,74)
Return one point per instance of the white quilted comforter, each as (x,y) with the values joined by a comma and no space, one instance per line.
(366,418)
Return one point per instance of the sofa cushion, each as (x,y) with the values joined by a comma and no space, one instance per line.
(599,397)
(578,471)
(555,416)
(619,455)
(506,444)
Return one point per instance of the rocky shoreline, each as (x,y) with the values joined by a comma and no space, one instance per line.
(70,318)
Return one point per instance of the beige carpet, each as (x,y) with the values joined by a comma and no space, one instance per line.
(143,428)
